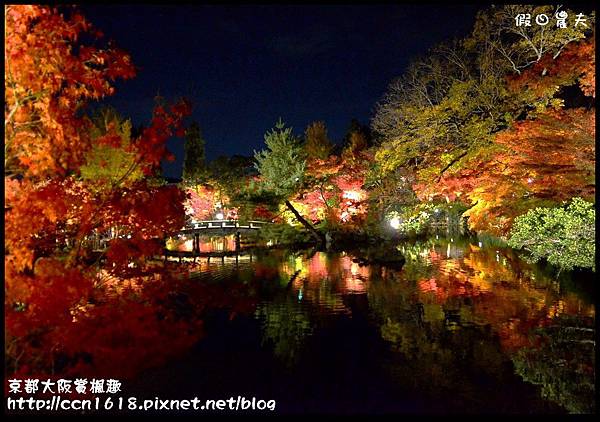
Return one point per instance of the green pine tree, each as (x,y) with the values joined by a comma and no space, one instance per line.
(194,162)
(282,168)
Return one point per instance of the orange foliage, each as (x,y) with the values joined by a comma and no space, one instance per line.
(60,314)
(200,204)
(203,201)
(48,78)
(576,63)
(501,295)
(554,155)
(335,191)
(549,157)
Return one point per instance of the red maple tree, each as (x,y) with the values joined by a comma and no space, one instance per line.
(547,158)
(68,309)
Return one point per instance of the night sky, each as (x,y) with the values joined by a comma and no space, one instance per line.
(245,66)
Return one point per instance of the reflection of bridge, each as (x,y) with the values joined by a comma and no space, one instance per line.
(222,226)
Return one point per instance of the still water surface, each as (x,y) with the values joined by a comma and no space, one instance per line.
(465,326)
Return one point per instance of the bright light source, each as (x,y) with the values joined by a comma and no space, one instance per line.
(351,194)
(219,216)
(395,223)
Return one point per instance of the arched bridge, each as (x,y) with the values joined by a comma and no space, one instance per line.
(223,225)
(100,242)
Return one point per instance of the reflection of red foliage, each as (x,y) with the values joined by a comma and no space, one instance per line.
(317,268)
(428,285)
(513,308)
(265,272)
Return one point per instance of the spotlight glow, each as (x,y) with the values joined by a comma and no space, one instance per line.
(353,195)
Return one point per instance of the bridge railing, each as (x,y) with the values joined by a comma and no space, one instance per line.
(221,224)
(100,241)
(225,224)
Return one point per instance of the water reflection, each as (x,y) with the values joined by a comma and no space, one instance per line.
(325,279)
(487,286)
(562,362)
(462,319)
(315,287)
(285,325)
(453,317)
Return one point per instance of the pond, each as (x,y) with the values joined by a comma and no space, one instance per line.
(465,326)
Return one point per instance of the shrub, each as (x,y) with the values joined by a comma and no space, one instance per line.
(564,236)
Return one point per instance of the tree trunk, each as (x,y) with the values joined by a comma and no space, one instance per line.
(305,223)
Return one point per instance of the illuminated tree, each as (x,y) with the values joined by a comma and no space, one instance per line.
(47,81)
(231,174)
(282,169)
(443,109)
(111,161)
(58,304)
(333,191)
(539,162)
(389,193)
(565,236)
(493,124)
(317,144)
(201,202)
(523,45)
(446,109)
(357,143)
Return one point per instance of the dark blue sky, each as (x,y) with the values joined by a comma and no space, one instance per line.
(245,66)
